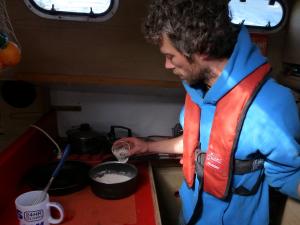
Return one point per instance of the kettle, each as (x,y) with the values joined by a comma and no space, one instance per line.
(84,139)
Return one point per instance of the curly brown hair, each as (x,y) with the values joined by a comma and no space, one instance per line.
(193,26)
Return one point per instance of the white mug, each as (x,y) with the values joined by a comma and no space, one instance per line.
(36,214)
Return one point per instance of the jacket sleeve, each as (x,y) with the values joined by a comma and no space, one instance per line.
(280,144)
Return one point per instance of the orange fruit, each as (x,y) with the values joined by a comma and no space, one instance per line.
(10,55)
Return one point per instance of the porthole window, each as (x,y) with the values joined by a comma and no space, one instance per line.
(87,10)
(265,15)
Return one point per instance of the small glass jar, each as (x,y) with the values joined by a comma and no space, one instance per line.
(121,151)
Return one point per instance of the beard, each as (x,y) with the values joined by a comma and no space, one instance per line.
(200,78)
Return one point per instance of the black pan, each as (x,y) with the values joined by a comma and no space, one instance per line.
(72,177)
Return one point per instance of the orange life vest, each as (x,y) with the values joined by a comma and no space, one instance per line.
(227,123)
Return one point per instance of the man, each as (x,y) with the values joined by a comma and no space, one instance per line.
(240,126)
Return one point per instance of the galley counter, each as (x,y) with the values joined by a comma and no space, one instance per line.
(81,207)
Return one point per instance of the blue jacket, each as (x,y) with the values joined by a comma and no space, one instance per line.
(271,126)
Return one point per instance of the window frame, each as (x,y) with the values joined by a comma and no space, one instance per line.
(279,26)
(73,16)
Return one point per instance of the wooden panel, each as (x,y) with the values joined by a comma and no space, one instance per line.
(113,48)
(89,80)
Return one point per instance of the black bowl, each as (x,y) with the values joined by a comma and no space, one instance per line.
(113,180)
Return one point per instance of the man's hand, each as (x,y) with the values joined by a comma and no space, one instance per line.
(137,146)
(299,190)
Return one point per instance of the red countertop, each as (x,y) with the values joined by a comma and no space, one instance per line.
(82,207)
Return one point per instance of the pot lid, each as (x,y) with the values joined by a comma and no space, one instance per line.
(83,132)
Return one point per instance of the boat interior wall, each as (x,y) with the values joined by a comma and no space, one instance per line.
(76,57)
(134,109)
(114,48)
(292,43)
(15,114)
(54,50)
(274,51)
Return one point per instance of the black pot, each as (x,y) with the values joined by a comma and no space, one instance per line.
(85,140)
(113,180)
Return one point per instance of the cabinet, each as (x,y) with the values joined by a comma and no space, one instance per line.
(168,177)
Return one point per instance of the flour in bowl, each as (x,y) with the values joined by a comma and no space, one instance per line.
(112,178)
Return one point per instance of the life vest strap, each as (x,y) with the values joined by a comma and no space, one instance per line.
(241,190)
(240,167)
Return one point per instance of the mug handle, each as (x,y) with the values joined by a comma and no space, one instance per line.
(60,210)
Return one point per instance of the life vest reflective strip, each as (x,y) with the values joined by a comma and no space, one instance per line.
(228,119)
